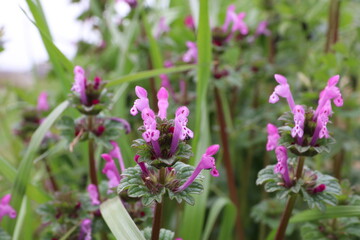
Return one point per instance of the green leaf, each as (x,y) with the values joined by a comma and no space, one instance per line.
(331,212)
(193,219)
(32,191)
(221,204)
(164,234)
(23,177)
(149,74)
(119,220)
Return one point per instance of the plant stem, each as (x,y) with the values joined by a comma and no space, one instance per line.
(228,164)
(54,185)
(91,148)
(155,233)
(280,234)
(333,24)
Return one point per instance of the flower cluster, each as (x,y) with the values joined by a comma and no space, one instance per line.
(305,128)
(89,97)
(161,152)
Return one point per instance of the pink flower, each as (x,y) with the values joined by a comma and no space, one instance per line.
(331,92)
(162,27)
(85,230)
(282,166)
(319,189)
(79,85)
(207,162)
(5,208)
(299,119)
(116,153)
(237,21)
(93,194)
(42,104)
(141,103)
(189,22)
(163,102)
(262,29)
(282,90)
(111,171)
(181,132)
(273,137)
(142,165)
(191,53)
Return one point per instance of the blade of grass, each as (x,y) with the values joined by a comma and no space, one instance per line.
(119,220)
(62,65)
(331,212)
(20,219)
(228,222)
(34,193)
(149,74)
(23,176)
(193,220)
(219,205)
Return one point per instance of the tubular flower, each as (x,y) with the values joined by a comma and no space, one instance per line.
(309,125)
(162,27)
(237,21)
(192,53)
(282,166)
(116,153)
(207,162)
(141,103)
(79,85)
(163,102)
(93,194)
(180,129)
(85,230)
(5,208)
(42,104)
(282,90)
(141,165)
(273,137)
(111,171)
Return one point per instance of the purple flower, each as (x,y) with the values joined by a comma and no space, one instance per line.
(142,165)
(331,92)
(189,22)
(116,153)
(273,137)
(319,189)
(42,104)
(93,194)
(5,208)
(207,162)
(151,134)
(282,90)
(299,119)
(79,85)
(237,21)
(180,130)
(85,230)
(191,53)
(282,166)
(163,102)
(262,29)
(162,27)
(111,172)
(141,103)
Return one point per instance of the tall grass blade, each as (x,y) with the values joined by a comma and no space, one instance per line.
(23,177)
(33,192)
(149,74)
(193,220)
(119,221)
(331,212)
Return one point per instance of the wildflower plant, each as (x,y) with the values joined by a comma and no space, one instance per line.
(161,156)
(304,134)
